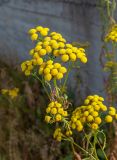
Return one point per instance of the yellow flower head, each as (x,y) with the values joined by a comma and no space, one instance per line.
(52,70)
(112,34)
(56,111)
(13,93)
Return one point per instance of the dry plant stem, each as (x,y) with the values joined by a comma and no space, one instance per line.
(76,155)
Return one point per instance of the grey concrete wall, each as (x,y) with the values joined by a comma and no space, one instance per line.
(74,20)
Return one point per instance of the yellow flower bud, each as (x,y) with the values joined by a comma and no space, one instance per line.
(49,62)
(62,51)
(37,48)
(62,70)
(90,118)
(54,111)
(60,110)
(61,44)
(55,45)
(39,61)
(44,32)
(42,52)
(39,28)
(48,77)
(73,126)
(54,72)
(112,113)
(59,76)
(32,31)
(79,128)
(108,119)
(94,126)
(47,119)
(58,105)
(31,52)
(46,70)
(97,120)
(94,114)
(48,110)
(27,73)
(46,43)
(48,49)
(34,37)
(103,107)
(40,70)
(51,104)
(72,57)
(86,113)
(56,53)
(86,101)
(58,117)
(57,65)
(65,58)
(83,59)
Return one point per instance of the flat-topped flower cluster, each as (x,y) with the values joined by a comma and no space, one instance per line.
(50,47)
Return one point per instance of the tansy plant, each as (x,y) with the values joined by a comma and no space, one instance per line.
(12,93)
(10,96)
(111,64)
(109,47)
(52,58)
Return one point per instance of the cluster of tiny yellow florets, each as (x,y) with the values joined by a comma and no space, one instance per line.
(112,35)
(58,134)
(52,70)
(112,114)
(10,92)
(51,45)
(28,66)
(110,65)
(88,114)
(54,43)
(55,112)
(71,53)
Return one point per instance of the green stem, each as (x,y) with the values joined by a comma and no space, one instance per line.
(94,145)
(88,137)
(66,78)
(72,141)
(102,150)
(55,85)
(35,76)
(108,8)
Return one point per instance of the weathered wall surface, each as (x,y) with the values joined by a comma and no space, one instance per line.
(74,20)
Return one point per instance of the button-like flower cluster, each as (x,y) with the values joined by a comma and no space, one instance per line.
(13,93)
(71,53)
(28,66)
(88,114)
(52,70)
(112,114)
(55,112)
(112,35)
(39,30)
(58,134)
(51,45)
